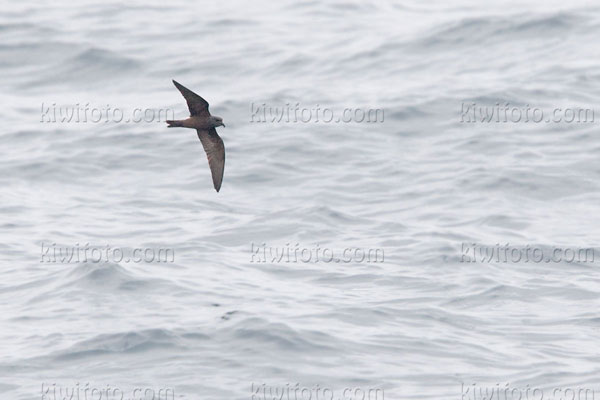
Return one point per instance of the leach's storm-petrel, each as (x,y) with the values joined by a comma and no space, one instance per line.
(205,124)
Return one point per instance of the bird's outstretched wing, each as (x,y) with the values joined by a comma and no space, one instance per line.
(215,152)
(197,105)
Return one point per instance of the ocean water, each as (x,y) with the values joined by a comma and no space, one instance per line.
(223,318)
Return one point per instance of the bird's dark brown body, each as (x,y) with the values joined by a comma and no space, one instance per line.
(197,123)
(205,124)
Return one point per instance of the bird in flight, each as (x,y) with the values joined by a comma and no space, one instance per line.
(205,124)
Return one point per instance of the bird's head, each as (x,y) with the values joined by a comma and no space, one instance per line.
(216,121)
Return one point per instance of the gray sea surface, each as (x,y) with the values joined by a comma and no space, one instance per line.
(423,186)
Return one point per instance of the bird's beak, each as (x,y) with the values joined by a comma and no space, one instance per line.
(223,124)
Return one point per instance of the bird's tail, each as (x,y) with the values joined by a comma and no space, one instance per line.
(173,124)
